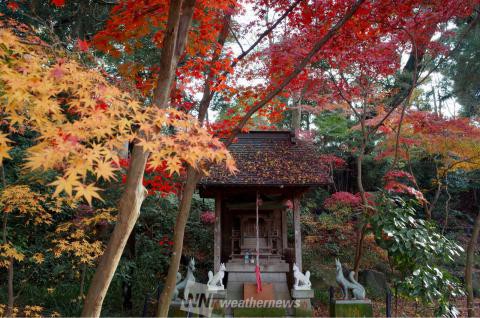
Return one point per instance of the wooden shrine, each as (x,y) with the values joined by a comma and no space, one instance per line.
(278,168)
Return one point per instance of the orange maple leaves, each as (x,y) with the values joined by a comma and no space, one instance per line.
(83,122)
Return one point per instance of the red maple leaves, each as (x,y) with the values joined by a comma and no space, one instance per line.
(157,180)
(58,3)
(12,5)
(82,45)
(398,181)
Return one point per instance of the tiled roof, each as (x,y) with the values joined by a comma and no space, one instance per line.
(271,158)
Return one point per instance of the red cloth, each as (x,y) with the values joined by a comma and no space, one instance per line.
(259,278)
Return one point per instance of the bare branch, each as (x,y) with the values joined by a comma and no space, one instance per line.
(266,32)
(236,39)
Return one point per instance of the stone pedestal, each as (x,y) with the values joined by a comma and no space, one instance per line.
(351,308)
(179,308)
(217,296)
(303,304)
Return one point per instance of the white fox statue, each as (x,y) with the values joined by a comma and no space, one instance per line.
(186,283)
(215,282)
(357,290)
(302,281)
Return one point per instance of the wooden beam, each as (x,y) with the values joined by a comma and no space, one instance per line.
(252,206)
(217,233)
(298,231)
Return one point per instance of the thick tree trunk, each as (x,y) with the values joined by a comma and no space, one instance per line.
(179,21)
(472,244)
(190,184)
(296,117)
(128,212)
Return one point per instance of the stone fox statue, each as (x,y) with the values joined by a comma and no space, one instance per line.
(215,282)
(357,290)
(187,282)
(302,281)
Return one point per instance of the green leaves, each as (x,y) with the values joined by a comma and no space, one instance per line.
(417,251)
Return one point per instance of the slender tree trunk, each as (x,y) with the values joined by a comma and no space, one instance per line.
(10,295)
(82,281)
(361,229)
(127,283)
(472,244)
(429,209)
(11,298)
(190,184)
(128,212)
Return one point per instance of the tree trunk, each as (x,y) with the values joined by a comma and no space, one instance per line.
(128,212)
(472,244)
(10,295)
(179,20)
(190,184)
(127,283)
(361,190)
(82,280)
(296,117)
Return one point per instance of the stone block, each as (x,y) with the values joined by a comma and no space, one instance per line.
(302,294)
(374,282)
(218,294)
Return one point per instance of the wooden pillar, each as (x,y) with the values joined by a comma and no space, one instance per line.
(284,230)
(298,231)
(217,233)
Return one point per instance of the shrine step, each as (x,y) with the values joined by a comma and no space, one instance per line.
(250,277)
(235,291)
(236,281)
(276,267)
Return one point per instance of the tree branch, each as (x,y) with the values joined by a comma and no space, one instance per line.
(266,32)
(298,69)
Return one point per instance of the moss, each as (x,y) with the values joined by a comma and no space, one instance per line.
(351,310)
(303,313)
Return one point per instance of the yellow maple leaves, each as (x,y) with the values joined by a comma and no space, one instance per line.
(7,252)
(28,311)
(75,237)
(25,202)
(83,121)
(21,202)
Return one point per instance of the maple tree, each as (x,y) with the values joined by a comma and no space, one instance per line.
(78,238)
(21,206)
(450,143)
(81,132)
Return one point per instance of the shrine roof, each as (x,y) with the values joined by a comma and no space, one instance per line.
(271,158)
